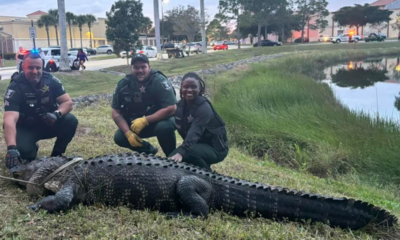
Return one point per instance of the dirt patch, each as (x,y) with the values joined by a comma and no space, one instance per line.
(81,131)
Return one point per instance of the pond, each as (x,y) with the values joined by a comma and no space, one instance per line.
(371,86)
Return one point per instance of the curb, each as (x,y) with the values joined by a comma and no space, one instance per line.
(8,68)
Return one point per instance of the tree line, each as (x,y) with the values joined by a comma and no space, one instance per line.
(52,20)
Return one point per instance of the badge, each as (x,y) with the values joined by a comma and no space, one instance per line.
(190,118)
(9,94)
(137,97)
(142,89)
(166,85)
(45,88)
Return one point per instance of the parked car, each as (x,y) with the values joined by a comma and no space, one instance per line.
(105,49)
(122,54)
(305,40)
(266,43)
(222,46)
(167,45)
(149,51)
(52,59)
(345,38)
(373,37)
(230,43)
(194,48)
(90,51)
(323,38)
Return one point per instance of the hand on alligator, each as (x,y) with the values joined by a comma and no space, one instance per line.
(177,158)
(139,124)
(133,139)
(13,157)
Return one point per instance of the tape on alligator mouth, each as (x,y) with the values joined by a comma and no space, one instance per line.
(68,164)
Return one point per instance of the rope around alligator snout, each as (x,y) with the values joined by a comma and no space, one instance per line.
(68,164)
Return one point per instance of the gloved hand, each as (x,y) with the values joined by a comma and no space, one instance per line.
(138,124)
(13,157)
(49,118)
(134,139)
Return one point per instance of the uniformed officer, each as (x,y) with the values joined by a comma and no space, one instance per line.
(203,130)
(143,106)
(36,107)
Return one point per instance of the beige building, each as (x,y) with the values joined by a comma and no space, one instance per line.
(14,32)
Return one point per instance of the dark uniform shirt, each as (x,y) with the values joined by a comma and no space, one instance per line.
(135,99)
(199,123)
(23,98)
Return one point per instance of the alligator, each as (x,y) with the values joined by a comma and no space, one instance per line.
(147,182)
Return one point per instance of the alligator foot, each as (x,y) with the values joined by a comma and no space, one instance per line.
(33,207)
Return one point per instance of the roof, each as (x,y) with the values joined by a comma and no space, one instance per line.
(37,13)
(382,2)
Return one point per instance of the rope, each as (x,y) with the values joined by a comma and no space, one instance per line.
(68,164)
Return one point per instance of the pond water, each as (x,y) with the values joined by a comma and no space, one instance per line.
(371,86)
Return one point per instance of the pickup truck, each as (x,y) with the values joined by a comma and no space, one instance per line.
(345,38)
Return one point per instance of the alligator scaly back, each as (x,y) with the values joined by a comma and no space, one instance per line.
(142,181)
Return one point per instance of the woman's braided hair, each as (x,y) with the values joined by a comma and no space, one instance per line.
(198,78)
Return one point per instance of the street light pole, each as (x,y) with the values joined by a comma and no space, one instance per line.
(157,25)
(203,27)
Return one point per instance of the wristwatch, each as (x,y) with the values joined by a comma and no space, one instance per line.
(58,114)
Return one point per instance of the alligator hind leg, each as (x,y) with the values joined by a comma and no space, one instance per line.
(194,194)
(55,203)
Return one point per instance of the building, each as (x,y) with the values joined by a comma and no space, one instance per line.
(14,32)
(334,29)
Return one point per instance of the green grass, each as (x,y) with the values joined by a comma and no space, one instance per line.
(279,110)
(95,137)
(103,57)
(9,63)
(180,66)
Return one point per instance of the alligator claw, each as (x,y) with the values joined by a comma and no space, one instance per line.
(34,207)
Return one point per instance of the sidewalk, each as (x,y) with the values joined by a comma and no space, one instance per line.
(7,68)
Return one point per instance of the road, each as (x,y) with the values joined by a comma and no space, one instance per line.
(100,64)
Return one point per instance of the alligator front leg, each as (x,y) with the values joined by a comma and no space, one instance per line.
(55,203)
(194,194)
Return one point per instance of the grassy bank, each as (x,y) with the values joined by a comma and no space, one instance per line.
(279,111)
(9,63)
(181,66)
(95,137)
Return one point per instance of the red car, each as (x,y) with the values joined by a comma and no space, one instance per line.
(222,46)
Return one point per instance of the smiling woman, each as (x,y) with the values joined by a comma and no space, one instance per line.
(203,130)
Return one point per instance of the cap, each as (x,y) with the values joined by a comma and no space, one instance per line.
(140,57)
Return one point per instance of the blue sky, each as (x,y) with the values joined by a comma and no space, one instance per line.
(99,7)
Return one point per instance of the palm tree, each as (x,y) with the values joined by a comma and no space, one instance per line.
(80,20)
(46,21)
(70,20)
(54,14)
(90,19)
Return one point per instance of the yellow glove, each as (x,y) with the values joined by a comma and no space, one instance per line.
(138,124)
(134,139)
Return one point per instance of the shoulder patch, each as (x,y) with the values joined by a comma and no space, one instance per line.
(166,85)
(9,94)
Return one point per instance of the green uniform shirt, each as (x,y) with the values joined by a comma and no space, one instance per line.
(135,99)
(14,97)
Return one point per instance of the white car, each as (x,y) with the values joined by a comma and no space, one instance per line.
(52,59)
(105,49)
(149,51)
(345,38)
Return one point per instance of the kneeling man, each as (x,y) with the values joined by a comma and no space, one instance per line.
(36,107)
(143,105)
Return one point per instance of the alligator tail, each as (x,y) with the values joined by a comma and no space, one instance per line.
(245,198)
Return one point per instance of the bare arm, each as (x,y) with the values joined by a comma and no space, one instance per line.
(65,104)
(119,120)
(161,114)
(10,127)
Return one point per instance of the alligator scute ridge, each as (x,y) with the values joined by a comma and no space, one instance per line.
(277,202)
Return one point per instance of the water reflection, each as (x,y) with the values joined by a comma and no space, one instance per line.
(371,86)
